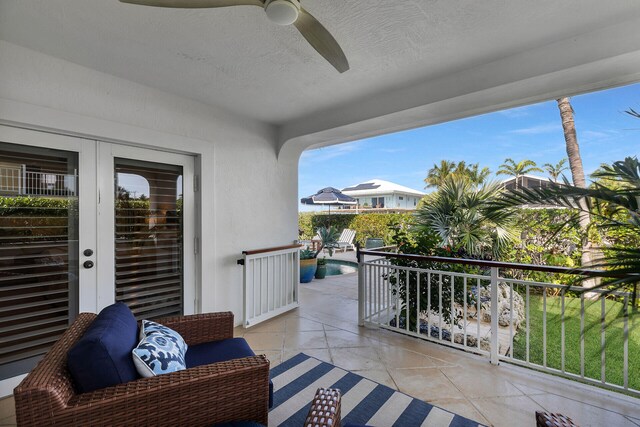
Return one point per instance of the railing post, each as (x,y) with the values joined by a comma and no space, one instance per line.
(494,317)
(361,301)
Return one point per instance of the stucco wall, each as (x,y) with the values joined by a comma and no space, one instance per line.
(240,170)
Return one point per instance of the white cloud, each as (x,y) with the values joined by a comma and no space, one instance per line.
(594,135)
(326,153)
(514,113)
(538,129)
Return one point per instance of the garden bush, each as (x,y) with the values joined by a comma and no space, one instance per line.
(366,225)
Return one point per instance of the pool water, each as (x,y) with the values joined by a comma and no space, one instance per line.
(335,267)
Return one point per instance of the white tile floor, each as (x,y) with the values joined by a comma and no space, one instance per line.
(325,326)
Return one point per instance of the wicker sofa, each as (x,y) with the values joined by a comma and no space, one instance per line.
(201,396)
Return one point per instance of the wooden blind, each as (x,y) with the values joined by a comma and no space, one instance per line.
(38,252)
(148,238)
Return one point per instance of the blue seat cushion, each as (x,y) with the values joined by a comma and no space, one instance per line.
(217,351)
(220,351)
(102,357)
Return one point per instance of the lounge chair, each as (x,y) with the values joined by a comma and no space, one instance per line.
(312,244)
(231,386)
(345,241)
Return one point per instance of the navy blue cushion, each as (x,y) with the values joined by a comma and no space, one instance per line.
(102,357)
(220,351)
(217,351)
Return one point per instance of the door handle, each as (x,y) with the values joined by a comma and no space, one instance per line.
(88,264)
(88,252)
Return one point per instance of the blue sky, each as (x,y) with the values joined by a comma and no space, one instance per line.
(605,134)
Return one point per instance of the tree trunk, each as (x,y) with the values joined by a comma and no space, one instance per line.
(577,175)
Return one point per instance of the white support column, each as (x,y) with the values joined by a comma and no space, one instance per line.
(494,317)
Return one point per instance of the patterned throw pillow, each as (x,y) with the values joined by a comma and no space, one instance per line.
(161,350)
(149,327)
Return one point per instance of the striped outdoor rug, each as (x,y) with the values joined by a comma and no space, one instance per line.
(363,401)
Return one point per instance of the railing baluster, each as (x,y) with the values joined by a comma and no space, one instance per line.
(625,344)
(511,319)
(582,334)
(388,285)
(429,304)
(544,326)
(495,344)
(361,278)
(378,292)
(440,307)
(370,284)
(267,285)
(406,303)
(464,312)
(284,290)
(397,298)
(478,309)
(418,294)
(562,329)
(528,332)
(452,316)
(256,291)
(603,362)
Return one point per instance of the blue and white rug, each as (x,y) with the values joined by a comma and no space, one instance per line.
(364,401)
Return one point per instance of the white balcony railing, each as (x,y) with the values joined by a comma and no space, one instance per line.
(545,326)
(270,282)
(17,180)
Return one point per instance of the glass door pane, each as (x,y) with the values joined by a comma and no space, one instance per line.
(38,252)
(148,237)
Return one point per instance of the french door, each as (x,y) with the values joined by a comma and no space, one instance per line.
(83,224)
(146,208)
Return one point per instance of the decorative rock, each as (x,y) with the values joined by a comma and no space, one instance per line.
(504,306)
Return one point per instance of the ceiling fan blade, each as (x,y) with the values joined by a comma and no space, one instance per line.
(321,40)
(195,4)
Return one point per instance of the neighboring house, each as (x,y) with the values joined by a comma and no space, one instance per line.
(384,194)
(531,181)
(527,181)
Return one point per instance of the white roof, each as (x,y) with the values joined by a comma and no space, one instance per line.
(379,186)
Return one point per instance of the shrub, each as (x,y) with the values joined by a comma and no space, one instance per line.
(366,225)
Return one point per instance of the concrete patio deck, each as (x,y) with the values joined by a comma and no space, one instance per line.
(325,326)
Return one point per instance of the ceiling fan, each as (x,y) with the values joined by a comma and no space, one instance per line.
(282,12)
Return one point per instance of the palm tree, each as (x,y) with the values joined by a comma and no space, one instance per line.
(577,175)
(438,173)
(511,168)
(328,239)
(614,199)
(556,170)
(476,175)
(457,214)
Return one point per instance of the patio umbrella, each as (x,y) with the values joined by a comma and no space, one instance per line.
(329,196)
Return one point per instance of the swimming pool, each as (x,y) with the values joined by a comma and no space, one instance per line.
(336,267)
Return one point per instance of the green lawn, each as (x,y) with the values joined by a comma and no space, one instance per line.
(614,338)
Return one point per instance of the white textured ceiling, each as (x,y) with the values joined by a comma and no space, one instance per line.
(236,59)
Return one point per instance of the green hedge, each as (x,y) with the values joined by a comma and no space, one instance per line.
(36,206)
(546,236)
(375,225)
